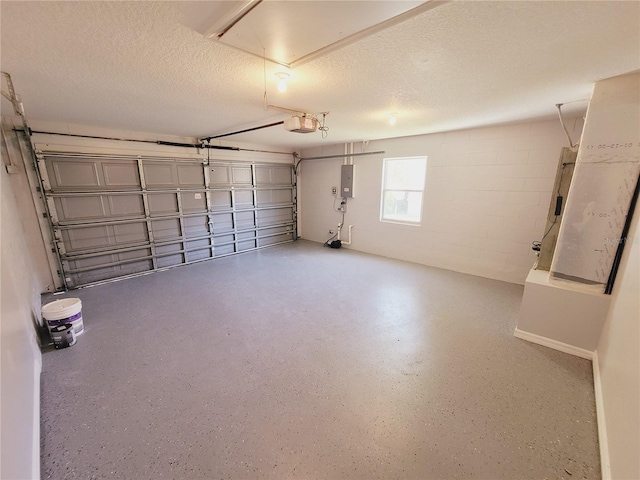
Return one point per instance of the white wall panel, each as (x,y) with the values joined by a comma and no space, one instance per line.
(486,189)
(619,365)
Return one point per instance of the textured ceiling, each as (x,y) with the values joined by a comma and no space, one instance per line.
(146,66)
(289,33)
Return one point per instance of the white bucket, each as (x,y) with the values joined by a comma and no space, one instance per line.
(67,310)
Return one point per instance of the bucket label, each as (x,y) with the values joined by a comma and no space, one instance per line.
(63,336)
(62,321)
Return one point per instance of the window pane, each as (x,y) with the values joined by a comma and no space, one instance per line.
(402,205)
(402,189)
(405,173)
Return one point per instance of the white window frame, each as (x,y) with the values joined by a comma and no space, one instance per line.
(390,219)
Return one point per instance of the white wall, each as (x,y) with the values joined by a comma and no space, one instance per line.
(486,198)
(20,289)
(561,314)
(619,363)
(30,210)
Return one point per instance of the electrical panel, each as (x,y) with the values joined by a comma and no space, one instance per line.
(346,182)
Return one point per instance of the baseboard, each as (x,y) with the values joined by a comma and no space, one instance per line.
(556,345)
(605,463)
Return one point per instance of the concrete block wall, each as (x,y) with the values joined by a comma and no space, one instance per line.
(486,197)
(20,287)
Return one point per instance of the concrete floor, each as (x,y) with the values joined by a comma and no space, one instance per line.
(305,362)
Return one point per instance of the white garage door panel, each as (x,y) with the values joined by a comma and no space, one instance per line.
(166,229)
(196,227)
(267,241)
(273,176)
(120,175)
(243,198)
(173,175)
(71,174)
(103,237)
(97,207)
(241,175)
(90,173)
(219,176)
(274,197)
(162,204)
(125,205)
(116,217)
(274,216)
(81,208)
(194,201)
(222,223)
(92,269)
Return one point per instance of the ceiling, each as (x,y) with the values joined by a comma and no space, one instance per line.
(290,34)
(147,66)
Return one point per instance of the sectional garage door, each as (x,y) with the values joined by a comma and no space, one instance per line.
(115,217)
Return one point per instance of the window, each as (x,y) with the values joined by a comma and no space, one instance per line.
(402,189)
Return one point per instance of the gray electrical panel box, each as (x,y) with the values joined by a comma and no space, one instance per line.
(346,182)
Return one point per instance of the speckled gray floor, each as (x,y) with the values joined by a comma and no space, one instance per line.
(305,362)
